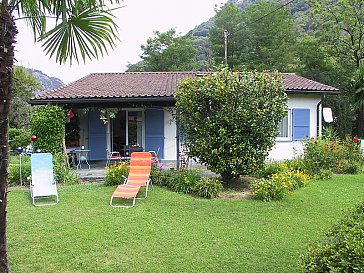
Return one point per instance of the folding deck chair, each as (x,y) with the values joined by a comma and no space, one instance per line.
(42,182)
(139,176)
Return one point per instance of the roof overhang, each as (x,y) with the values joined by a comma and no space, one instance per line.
(102,100)
(315,92)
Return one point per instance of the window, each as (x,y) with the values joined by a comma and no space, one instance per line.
(295,125)
(284,125)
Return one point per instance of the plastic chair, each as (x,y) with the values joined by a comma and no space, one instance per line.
(42,182)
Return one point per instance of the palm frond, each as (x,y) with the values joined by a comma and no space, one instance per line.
(87,32)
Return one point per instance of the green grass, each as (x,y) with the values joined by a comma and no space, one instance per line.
(171,232)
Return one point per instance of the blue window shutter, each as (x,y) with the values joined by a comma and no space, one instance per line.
(154,131)
(96,136)
(300,123)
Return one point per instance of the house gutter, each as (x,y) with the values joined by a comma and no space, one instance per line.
(100,100)
(319,117)
(316,92)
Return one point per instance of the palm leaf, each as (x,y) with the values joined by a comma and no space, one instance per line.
(87,32)
(83,28)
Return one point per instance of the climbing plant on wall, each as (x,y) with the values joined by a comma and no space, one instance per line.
(48,123)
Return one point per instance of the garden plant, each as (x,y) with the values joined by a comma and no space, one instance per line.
(341,248)
(339,155)
(229,119)
(279,179)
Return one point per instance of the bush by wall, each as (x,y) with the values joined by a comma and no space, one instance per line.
(48,123)
(341,249)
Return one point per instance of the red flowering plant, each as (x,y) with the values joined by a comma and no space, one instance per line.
(327,153)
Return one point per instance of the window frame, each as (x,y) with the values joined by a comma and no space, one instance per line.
(288,118)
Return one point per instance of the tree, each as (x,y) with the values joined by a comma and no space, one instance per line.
(229,18)
(24,85)
(140,66)
(82,30)
(230,119)
(166,52)
(357,86)
(268,37)
(255,41)
(340,28)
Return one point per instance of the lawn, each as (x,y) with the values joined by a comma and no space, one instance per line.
(171,232)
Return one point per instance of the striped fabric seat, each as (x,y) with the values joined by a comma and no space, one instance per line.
(139,176)
(125,191)
(139,170)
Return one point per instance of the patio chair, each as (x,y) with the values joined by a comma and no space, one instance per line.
(42,182)
(139,176)
(112,156)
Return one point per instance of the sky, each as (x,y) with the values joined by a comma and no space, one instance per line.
(137,21)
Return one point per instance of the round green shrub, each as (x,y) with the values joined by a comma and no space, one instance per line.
(230,119)
(341,249)
(208,187)
(19,137)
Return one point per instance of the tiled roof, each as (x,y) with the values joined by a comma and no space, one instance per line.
(152,84)
(294,82)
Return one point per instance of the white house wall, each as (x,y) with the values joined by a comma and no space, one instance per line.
(283,149)
(288,149)
(170,144)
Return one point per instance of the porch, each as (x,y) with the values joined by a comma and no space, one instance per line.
(97,171)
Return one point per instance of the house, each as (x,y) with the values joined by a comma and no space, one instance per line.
(121,111)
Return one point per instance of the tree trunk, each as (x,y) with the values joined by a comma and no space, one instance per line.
(8,32)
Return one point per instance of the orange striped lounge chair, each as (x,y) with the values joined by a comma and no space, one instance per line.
(139,176)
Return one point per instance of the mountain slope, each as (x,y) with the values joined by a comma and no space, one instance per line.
(48,83)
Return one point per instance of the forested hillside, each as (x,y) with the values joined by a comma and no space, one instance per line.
(321,40)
